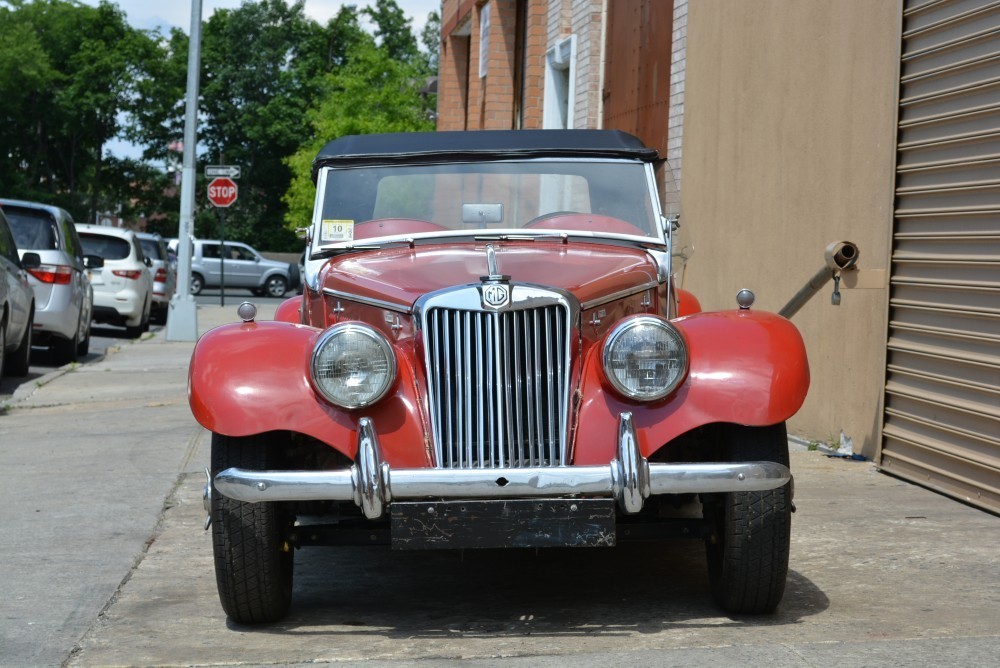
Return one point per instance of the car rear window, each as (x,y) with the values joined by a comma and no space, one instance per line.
(151,249)
(110,248)
(33,229)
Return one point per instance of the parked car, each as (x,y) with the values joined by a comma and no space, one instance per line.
(123,287)
(244,268)
(17,304)
(163,270)
(64,298)
(489,352)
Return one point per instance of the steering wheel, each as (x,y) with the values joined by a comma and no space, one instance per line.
(387,227)
(584,222)
(542,220)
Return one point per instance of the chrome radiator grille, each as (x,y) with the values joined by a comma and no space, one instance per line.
(498,386)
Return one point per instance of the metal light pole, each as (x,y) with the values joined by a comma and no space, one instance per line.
(182,321)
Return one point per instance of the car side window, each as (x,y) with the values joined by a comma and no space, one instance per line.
(242,253)
(7,247)
(210,251)
(138,250)
(72,240)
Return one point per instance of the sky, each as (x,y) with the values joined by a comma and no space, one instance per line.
(150,14)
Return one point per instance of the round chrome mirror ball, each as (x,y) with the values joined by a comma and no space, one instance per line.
(246,311)
(745,299)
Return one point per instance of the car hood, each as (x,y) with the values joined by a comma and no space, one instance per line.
(401,275)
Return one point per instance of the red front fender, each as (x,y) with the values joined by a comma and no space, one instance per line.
(289,310)
(746,367)
(253,377)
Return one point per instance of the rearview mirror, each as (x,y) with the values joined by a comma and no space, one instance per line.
(481,214)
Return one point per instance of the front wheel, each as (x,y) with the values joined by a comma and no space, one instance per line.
(748,546)
(276,286)
(197,284)
(253,557)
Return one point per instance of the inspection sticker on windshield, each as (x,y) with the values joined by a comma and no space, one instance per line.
(338,230)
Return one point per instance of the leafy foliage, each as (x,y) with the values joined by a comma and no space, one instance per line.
(69,77)
(275,85)
(373,92)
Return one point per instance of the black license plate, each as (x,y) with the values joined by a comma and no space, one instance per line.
(424,525)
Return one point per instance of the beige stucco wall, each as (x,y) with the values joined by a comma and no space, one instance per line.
(788,145)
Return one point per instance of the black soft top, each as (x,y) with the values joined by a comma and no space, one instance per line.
(411,147)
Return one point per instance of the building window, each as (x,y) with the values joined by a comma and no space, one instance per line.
(484,40)
(560,85)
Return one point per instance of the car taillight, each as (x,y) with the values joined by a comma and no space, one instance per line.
(133,274)
(161,276)
(57,274)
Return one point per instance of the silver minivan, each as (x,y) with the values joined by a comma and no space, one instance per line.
(64,298)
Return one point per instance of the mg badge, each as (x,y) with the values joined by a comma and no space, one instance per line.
(496,295)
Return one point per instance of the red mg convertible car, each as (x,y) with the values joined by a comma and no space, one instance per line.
(490,351)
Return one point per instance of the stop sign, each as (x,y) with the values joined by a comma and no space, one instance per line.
(222,191)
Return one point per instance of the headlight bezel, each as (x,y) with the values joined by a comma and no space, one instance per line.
(614,338)
(328,338)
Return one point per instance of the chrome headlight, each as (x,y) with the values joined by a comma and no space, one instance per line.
(645,358)
(353,365)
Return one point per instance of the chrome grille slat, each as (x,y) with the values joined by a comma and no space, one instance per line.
(498,385)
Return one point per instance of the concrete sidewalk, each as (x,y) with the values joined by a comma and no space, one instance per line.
(105,562)
(88,456)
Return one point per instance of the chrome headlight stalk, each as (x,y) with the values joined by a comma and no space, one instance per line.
(353,365)
(645,358)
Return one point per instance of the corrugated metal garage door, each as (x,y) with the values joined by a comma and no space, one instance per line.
(942,401)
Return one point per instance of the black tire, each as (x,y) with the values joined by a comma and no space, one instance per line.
(64,351)
(197,284)
(19,363)
(276,286)
(3,344)
(83,347)
(751,531)
(135,331)
(253,558)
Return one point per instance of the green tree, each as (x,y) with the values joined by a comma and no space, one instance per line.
(373,92)
(430,38)
(261,69)
(392,30)
(69,74)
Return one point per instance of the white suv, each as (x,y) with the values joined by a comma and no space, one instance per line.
(123,287)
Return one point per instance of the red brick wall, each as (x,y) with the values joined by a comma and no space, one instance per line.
(467,101)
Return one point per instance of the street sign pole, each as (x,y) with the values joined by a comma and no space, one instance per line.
(222,192)
(222,260)
(182,318)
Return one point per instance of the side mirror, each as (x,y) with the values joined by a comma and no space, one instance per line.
(31,261)
(93,261)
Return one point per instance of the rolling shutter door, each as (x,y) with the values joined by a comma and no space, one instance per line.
(942,401)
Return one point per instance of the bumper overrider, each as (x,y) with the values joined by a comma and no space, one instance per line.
(372,484)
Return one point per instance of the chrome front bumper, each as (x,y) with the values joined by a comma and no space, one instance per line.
(370,483)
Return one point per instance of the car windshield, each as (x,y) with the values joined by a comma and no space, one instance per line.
(33,230)
(590,197)
(107,247)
